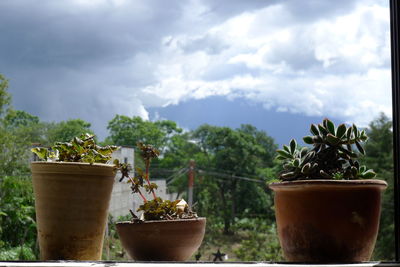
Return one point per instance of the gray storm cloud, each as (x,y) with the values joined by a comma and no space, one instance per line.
(95,59)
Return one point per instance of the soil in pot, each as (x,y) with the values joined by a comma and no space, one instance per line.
(174,240)
(328,221)
(71,201)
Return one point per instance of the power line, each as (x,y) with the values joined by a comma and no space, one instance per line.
(230,176)
(176,174)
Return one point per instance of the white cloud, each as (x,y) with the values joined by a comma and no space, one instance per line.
(335,66)
(95,59)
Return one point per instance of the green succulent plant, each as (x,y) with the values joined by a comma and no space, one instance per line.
(156,208)
(79,149)
(331,155)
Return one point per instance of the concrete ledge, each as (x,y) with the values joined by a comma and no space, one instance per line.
(181,264)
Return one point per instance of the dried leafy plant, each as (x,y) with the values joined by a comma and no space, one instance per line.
(330,157)
(157,208)
(79,149)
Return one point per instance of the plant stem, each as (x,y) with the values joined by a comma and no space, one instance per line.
(147,177)
(140,193)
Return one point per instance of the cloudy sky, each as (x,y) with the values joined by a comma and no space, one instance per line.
(277,64)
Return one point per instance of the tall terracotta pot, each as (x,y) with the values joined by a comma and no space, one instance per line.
(174,240)
(328,221)
(71,201)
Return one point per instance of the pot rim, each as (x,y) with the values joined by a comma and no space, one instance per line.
(161,221)
(71,163)
(335,183)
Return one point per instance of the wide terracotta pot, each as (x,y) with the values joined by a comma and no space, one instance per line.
(328,221)
(175,240)
(71,201)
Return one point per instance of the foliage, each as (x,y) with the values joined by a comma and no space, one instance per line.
(19,118)
(220,154)
(126,131)
(17,213)
(157,208)
(79,149)
(112,247)
(66,130)
(228,154)
(331,155)
(380,158)
(17,130)
(261,242)
(14,153)
(23,252)
(5,97)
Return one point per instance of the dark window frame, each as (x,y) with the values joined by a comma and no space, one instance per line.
(395,60)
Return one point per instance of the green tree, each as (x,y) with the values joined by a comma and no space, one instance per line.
(64,131)
(175,161)
(260,243)
(17,227)
(19,130)
(17,213)
(379,157)
(5,97)
(128,131)
(231,155)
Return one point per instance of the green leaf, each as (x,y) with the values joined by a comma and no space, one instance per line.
(288,175)
(354,171)
(303,152)
(333,140)
(286,148)
(308,140)
(322,129)
(293,146)
(370,174)
(363,168)
(284,154)
(330,126)
(341,130)
(280,157)
(324,175)
(355,130)
(41,152)
(360,148)
(296,162)
(349,132)
(306,168)
(314,129)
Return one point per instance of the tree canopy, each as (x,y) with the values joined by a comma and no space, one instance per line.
(128,131)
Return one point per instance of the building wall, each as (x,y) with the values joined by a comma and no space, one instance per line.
(122,199)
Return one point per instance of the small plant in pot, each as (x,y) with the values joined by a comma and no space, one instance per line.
(72,188)
(165,230)
(327,204)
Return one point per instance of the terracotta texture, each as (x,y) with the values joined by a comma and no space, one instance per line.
(71,201)
(162,240)
(328,221)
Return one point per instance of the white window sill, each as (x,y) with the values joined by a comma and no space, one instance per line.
(182,264)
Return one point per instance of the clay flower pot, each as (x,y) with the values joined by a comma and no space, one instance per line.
(174,240)
(71,201)
(328,221)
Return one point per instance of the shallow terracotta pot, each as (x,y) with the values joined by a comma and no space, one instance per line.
(71,201)
(162,240)
(328,221)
